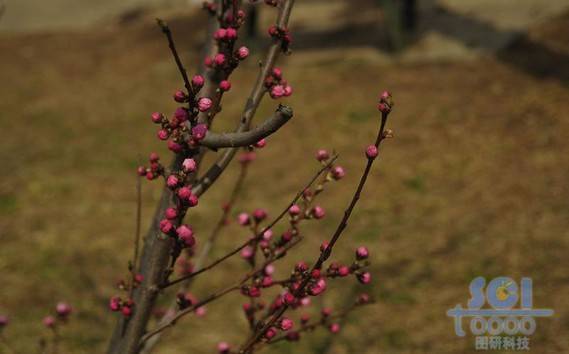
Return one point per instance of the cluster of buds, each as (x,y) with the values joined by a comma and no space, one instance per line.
(62,312)
(282,34)
(385,102)
(116,303)
(278,87)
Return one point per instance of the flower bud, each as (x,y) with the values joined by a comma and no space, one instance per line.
(338,173)
(166,226)
(171,213)
(225,85)
(318,212)
(180,96)
(199,132)
(198,81)
(189,165)
(63,309)
(157,117)
(204,104)
(322,155)
(371,152)
(49,321)
(219,59)
(362,253)
(242,53)
(364,278)
(286,324)
(243,219)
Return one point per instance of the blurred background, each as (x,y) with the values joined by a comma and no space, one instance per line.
(474,183)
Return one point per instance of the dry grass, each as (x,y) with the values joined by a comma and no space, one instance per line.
(474,184)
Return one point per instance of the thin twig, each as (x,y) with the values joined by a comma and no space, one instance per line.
(325,254)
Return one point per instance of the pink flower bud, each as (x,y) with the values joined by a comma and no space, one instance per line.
(223,348)
(383,108)
(204,104)
(63,309)
(49,321)
(243,219)
(318,212)
(259,215)
(254,292)
(242,53)
(277,73)
(184,193)
(294,210)
(326,312)
(199,132)
(172,181)
(166,226)
(208,62)
(115,303)
(286,324)
(322,155)
(231,33)
(301,267)
(323,246)
(247,252)
(287,91)
(225,85)
(270,333)
(180,96)
(220,34)
(267,281)
(344,271)
(126,311)
(364,278)
(157,117)
(315,274)
(334,328)
(362,253)
(189,165)
(289,298)
(153,157)
(269,269)
(163,134)
(384,96)
(181,114)
(186,234)
(277,91)
(371,152)
(261,143)
(219,59)
(338,173)
(267,235)
(363,299)
(192,200)
(305,301)
(141,171)
(198,81)
(171,213)
(174,146)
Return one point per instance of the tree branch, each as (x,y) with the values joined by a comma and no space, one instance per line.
(240,139)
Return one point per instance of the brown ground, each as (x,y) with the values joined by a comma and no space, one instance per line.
(474,184)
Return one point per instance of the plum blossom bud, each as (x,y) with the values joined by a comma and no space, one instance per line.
(269,269)
(157,117)
(322,155)
(163,134)
(247,252)
(141,171)
(243,219)
(267,235)
(323,246)
(184,193)
(371,152)
(63,309)
(208,62)
(189,165)
(126,311)
(198,81)
(199,132)
(267,281)
(277,73)
(49,321)
(225,85)
(115,303)
(180,96)
(261,143)
(181,114)
(301,267)
(315,274)
(287,90)
(223,348)
(338,173)
(289,298)
(219,59)
(334,328)
(186,234)
(364,278)
(259,215)
(383,108)
(171,213)
(174,146)
(166,226)
(362,253)
(270,333)
(318,212)
(326,312)
(172,181)
(294,210)
(344,271)
(242,53)
(384,96)
(254,292)
(192,200)
(204,104)
(277,91)
(220,34)
(231,33)
(363,299)
(153,157)
(286,324)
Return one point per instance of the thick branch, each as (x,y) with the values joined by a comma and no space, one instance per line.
(240,139)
